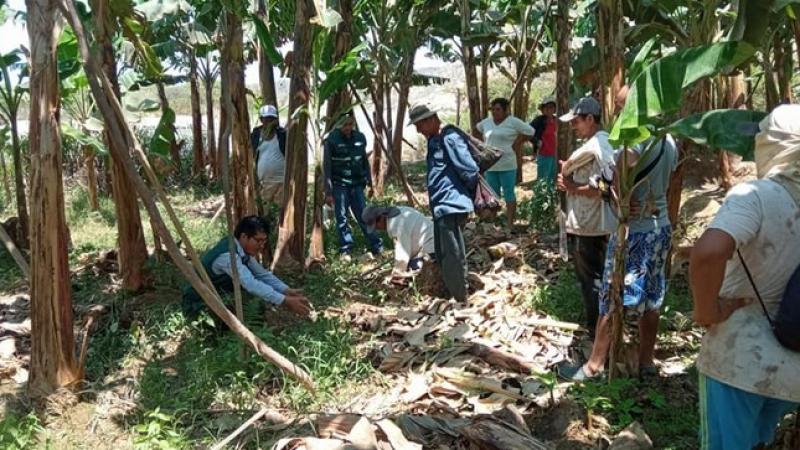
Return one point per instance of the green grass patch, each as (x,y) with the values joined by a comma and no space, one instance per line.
(20,432)
(562,300)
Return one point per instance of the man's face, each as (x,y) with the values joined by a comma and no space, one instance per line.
(584,126)
(253,245)
(427,127)
(269,122)
(499,113)
(347,126)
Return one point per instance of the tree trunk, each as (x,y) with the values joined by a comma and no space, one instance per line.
(611,43)
(198,164)
(19,185)
(770,88)
(52,363)
(291,234)
(783,67)
(266,74)
(378,174)
(734,97)
(130,236)
(91,177)
(485,50)
(211,138)
(174,148)
(244,196)
(563,33)
(336,105)
(402,106)
(6,182)
(471,76)
(223,145)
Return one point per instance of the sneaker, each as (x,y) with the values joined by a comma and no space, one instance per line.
(345,257)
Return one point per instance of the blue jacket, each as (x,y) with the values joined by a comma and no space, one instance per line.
(452,175)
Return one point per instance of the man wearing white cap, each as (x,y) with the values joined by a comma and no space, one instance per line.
(269,145)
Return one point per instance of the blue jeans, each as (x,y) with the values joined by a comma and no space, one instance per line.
(348,199)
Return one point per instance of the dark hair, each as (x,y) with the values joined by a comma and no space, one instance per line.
(503,102)
(597,119)
(251,226)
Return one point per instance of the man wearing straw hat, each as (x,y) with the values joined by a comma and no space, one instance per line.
(452,177)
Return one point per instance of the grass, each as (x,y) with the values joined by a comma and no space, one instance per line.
(19,432)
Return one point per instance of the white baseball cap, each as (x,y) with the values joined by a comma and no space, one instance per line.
(268,111)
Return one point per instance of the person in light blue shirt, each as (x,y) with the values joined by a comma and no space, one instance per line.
(251,235)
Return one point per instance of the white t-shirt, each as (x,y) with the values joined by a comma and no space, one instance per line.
(271,162)
(590,216)
(502,136)
(742,351)
(412,234)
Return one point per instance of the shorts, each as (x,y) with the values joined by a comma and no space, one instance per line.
(645,278)
(272,192)
(733,419)
(503,181)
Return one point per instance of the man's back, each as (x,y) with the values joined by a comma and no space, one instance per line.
(452,175)
(651,194)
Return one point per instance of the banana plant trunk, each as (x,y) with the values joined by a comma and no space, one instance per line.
(211,137)
(563,33)
(91,177)
(52,363)
(485,53)
(611,43)
(6,182)
(130,235)
(266,74)
(290,247)
(198,163)
(404,83)
(336,105)
(378,171)
(242,166)
(471,75)
(19,186)
(223,145)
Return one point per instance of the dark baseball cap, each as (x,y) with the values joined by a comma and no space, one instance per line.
(586,105)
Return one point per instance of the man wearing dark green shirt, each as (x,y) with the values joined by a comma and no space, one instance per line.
(251,235)
(347,173)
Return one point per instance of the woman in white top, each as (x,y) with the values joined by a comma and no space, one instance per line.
(507,133)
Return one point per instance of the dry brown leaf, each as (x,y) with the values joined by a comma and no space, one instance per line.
(396,361)
(336,426)
(362,436)
(396,437)
(309,443)
(475,383)
(416,388)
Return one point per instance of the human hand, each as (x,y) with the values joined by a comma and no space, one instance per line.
(298,305)
(724,309)
(294,292)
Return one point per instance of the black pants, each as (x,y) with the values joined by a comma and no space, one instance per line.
(451,253)
(589,256)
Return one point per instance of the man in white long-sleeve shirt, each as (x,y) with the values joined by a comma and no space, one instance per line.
(251,235)
(411,232)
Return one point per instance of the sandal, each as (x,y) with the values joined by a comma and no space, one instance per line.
(577,373)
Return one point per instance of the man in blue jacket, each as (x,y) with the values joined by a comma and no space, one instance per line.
(452,178)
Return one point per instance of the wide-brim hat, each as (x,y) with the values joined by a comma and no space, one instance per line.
(419,112)
(371,215)
(586,105)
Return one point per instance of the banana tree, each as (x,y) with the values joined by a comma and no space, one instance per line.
(4,139)
(11,96)
(648,114)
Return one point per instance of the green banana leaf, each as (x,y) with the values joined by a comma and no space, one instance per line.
(342,73)
(266,41)
(83,139)
(163,134)
(658,90)
(726,129)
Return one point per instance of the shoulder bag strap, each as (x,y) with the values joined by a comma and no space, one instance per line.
(753,283)
(649,168)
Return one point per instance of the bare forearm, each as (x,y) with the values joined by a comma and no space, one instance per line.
(705,277)
(586,191)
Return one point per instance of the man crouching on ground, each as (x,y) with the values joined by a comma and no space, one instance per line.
(251,235)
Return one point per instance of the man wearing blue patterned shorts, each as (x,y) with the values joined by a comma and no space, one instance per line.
(648,244)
